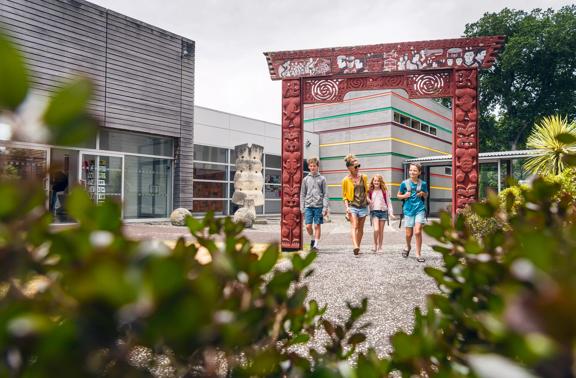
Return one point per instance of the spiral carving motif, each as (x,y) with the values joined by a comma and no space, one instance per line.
(325,90)
(356,83)
(428,84)
(393,81)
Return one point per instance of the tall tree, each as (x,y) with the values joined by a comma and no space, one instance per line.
(534,77)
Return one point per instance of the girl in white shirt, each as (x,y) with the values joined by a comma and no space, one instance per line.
(380,209)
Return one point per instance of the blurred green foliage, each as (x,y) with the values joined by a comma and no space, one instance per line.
(87,301)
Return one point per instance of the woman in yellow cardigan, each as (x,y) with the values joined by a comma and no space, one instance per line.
(355,196)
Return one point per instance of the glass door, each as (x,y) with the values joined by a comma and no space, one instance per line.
(102,176)
(63,174)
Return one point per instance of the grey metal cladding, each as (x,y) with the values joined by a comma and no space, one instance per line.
(144,76)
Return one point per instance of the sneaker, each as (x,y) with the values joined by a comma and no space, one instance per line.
(316,243)
(312,244)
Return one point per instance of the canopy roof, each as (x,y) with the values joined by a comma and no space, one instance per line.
(480,52)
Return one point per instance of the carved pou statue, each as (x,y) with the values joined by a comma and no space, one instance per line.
(248,183)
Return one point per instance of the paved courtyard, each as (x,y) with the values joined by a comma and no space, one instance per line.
(392,284)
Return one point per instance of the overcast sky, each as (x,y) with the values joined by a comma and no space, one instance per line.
(231,35)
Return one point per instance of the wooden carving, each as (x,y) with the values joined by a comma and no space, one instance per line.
(292,134)
(465,143)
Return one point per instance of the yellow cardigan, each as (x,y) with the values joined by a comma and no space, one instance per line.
(348,187)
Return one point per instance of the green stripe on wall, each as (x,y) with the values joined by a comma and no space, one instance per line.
(370,155)
(340,199)
(379,110)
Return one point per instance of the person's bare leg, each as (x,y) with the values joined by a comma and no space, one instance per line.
(353,222)
(382,224)
(418,234)
(309,230)
(409,232)
(317,232)
(376,224)
(360,230)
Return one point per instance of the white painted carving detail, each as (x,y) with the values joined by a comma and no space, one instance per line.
(428,84)
(325,90)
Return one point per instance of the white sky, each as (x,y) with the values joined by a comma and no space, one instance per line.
(231,71)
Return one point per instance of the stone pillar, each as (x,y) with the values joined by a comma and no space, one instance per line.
(248,182)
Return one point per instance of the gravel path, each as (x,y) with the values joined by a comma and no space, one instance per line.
(393,285)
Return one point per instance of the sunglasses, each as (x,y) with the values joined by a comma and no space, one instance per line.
(357,166)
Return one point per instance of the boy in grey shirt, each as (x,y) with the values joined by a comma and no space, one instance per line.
(313,201)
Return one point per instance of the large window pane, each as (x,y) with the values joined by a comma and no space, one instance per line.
(273,161)
(204,171)
(272,191)
(272,207)
(22,163)
(147,187)
(207,153)
(209,189)
(203,206)
(123,141)
(273,176)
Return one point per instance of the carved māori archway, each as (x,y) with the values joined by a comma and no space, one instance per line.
(441,68)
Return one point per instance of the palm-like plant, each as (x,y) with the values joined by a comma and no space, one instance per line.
(544,137)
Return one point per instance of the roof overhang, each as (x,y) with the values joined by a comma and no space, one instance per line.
(483,157)
(478,52)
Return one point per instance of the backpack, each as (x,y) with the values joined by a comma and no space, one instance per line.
(418,188)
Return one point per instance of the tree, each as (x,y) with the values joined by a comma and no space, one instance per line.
(544,137)
(534,77)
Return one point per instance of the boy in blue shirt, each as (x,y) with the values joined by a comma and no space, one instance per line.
(413,192)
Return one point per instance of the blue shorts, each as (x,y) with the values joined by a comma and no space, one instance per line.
(410,221)
(313,215)
(359,212)
(379,214)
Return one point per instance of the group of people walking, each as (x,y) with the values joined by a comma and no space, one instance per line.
(363,198)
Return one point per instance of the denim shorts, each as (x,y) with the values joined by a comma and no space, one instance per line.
(380,214)
(313,215)
(410,221)
(359,212)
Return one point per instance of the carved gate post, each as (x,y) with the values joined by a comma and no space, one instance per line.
(292,137)
(465,139)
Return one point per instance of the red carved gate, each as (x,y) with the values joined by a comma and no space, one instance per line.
(442,68)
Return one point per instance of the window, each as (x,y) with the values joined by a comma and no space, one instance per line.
(396,117)
(218,207)
(272,191)
(273,161)
(432,130)
(405,120)
(272,207)
(415,124)
(205,171)
(424,127)
(273,176)
(204,189)
(147,187)
(448,171)
(124,141)
(212,154)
